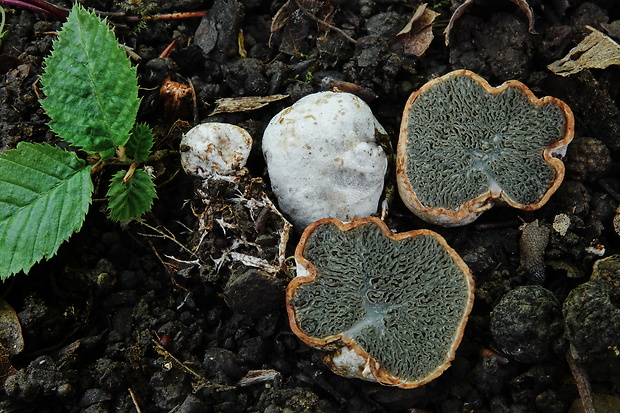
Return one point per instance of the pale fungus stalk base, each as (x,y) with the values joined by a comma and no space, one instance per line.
(465,145)
(254,200)
(380,306)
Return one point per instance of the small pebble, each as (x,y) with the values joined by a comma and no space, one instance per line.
(527,324)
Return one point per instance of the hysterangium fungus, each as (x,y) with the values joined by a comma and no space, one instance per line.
(215,149)
(323,158)
(465,145)
(380,306)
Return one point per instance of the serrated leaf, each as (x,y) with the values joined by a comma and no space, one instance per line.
(140,142)
(108,153)
(44,196)
(133,198)
(91,87)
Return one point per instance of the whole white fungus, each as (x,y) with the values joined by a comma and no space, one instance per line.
(215,149)
(323,159)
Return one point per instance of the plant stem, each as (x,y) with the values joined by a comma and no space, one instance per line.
(167,16)
(37,5)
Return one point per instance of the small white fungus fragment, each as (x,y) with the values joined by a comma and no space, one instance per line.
(561,224)
(301,270)
(350,364)
(323,159)
(598,250)
(215,149)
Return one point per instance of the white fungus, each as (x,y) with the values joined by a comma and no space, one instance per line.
(323,159)
(215,149)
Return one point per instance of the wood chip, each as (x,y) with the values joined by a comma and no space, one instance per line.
(259,377)
(245,103)
(596,51)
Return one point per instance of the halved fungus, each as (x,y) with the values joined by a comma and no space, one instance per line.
(380,306)
(465,145)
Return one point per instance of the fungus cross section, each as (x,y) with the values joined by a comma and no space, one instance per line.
(464,142)
(403,302)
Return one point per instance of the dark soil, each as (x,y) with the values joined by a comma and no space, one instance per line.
(156,316)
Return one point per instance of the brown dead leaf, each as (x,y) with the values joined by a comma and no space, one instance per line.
(245,103)
(294,32)
(596,51)
(417,34)
(523,5)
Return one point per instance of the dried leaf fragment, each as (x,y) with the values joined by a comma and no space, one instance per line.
(417,34)
(259,376)
(245,103)
(523,5)
(217,39)
(282,15)
(596,51)
(612,29)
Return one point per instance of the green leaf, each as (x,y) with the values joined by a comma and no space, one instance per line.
(133,198)
(44,196)
(140,142)
(108,153)
(91,87)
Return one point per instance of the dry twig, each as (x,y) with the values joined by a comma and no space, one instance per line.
(324,23)
(202,381)
(581,380)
